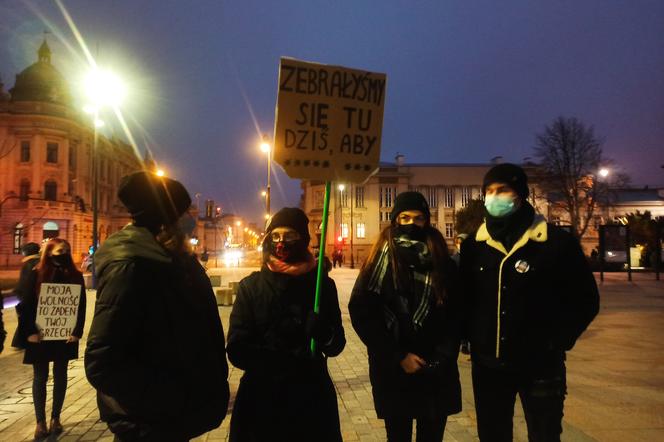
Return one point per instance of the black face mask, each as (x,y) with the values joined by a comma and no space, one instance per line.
(413,231)
(288,251)
(60,260)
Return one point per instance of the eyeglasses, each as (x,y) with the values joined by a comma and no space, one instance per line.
(405,219)
(286,237)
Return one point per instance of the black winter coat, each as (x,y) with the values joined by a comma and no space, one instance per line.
(428,394)
(285,394)
(155,350)
(22,287)
(46,351)
(525,308)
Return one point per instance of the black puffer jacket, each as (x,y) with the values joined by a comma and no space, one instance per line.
(525,308)
(155,351)
(285,394)
(428,394)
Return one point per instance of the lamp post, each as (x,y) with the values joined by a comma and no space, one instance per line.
(102,88)
(267,149)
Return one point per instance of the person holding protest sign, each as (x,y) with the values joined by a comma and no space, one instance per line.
(286,393)
(55,269)
(404,308)
(155,349)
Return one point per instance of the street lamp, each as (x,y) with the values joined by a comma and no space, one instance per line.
(604,172)
(160,172)
(102,89)
(267,149)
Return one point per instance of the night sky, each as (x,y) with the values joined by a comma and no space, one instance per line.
(467,80)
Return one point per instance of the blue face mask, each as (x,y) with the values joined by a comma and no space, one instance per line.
(499,206)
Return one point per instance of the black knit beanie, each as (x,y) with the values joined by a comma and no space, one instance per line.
(153,201)
(410,201)
(509,174)
(291,217)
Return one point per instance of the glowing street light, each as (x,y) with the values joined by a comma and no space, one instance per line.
(102,88)
(604,172)
(160,172)
(341,187)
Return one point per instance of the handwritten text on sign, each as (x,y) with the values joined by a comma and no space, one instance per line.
(329,121)
(57,310)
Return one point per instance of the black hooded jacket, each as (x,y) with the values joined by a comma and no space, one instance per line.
(155,350)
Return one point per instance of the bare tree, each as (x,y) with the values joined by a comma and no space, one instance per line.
(570,158)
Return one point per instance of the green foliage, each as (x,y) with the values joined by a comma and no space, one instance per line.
(468,219)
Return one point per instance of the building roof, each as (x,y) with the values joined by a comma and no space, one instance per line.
(41,81)
(644,196)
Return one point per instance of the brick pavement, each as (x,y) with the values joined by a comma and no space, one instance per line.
(616,384)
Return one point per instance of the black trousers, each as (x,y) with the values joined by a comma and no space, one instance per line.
(542,400)
(401,429)
(40,370)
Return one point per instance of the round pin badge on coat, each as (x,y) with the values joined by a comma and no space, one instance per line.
(522,266)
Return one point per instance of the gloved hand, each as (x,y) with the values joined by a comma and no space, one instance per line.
(315,327)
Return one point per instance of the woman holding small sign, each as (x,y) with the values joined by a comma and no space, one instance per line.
(404,308)
(51,324)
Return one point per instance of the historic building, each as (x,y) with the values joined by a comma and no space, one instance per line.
(358,213)
(46,149)
(364,210)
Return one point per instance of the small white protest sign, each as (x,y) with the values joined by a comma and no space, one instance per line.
(329,121)
(57,310)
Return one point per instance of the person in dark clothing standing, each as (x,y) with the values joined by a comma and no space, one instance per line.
(30,259)
(286,393)
(404,308)
(155,350)
(529,295)
(55,266)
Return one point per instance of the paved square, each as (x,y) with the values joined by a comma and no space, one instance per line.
(615,377)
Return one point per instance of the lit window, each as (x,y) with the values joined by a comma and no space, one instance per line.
(360,230)
(449,230)
(449,196)
(359,196)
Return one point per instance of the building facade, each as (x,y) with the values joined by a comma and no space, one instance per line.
(358,213)
(46,152)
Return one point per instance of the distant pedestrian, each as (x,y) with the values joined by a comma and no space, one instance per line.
(460,238)
(155,350)
(529,295)
(404,308)
(30,252)
(57,267)
(285,394)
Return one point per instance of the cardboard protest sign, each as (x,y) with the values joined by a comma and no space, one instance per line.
(329,121)
(57,310)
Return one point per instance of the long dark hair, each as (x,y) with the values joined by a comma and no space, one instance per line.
(435,241)
(46,269)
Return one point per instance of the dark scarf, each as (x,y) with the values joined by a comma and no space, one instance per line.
(407,298)
(508,229)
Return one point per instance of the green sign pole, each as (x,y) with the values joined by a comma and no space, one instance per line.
(321,256)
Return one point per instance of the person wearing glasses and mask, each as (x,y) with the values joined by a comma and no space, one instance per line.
(404,308)
(528,294)
(55,266)
(286,393)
